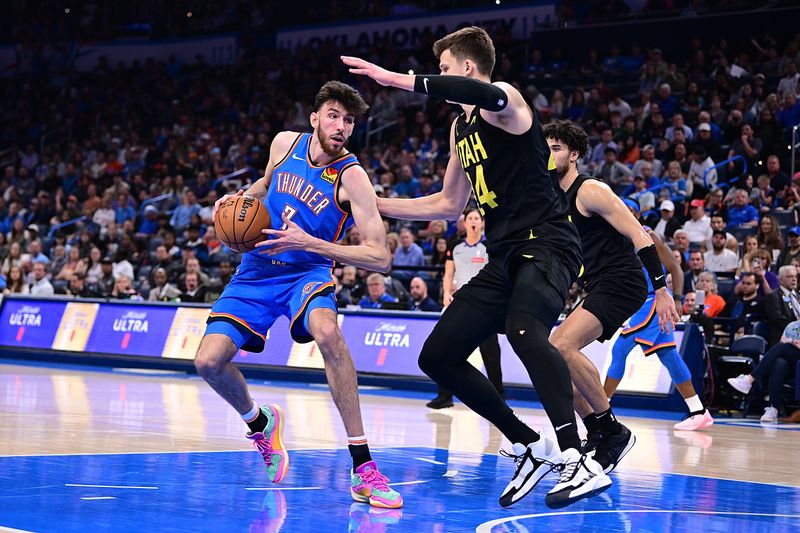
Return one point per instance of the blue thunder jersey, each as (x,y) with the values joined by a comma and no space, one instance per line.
(308,194)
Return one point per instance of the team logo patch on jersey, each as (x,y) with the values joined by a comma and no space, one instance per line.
(308,287)
(330,174)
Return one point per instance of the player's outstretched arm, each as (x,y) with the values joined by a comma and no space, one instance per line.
(500,103)
(372,255)
(447,204)
(596,198)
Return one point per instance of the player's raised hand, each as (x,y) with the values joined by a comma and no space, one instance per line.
(290,237)
(221,201)
(665,309)
(365,68)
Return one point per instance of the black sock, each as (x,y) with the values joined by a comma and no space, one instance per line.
(700,412)
(360,454)
(590,421)
(259,424)
(608,422)
(516,430)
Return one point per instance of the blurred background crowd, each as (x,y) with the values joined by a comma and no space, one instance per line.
(110,176)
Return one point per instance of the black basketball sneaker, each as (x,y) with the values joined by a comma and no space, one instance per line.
(612,448)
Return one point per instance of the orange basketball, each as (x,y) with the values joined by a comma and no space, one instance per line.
(239,223)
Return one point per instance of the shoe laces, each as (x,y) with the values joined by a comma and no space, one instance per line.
(590,443)
(519,459)
(568,469)
(376,480)
(265,448)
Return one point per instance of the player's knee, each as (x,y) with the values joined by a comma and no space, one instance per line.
(433,352)
(524,332)
(329,339)
(208,364)
(211,358)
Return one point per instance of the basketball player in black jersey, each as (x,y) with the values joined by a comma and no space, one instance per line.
(498,152)
(614,281)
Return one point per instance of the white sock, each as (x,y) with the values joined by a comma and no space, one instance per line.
(694,404)
(252,414)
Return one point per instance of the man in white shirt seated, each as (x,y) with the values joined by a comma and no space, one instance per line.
(719,258)
(41,286)
(699,226)
(718,222)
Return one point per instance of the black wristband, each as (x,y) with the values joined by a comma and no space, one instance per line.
(462,90)
(652,264)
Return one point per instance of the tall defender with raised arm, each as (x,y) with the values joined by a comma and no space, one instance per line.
(498,153)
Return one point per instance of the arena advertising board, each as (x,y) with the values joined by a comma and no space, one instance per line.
(406,32)
(131,330)
(30,323)
(379,344)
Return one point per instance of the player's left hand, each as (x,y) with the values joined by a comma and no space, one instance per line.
(665,309)
(283,240)
(365,68)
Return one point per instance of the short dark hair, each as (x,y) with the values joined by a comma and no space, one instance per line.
(756,277)
(472,43)
(469,210)
(569,133)
(342,93)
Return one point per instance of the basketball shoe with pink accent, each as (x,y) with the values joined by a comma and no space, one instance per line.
(269,443)
(367,485)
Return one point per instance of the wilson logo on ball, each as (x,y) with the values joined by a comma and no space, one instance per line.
(330,174)
(247,203)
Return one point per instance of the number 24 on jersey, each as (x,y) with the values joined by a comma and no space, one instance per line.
(482,193)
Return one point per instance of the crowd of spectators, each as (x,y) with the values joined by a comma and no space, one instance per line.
(33,22)
(153,145)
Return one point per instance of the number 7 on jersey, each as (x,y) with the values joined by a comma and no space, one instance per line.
(289,211)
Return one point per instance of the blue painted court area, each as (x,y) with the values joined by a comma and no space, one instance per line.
(443,491)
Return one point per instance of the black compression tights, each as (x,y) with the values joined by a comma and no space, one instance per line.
(462,328)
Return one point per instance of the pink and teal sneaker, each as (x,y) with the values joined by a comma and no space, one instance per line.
(270,443)
(370,486)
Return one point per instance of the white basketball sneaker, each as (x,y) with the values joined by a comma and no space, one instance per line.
(770,416)
(581,477)
(533,462)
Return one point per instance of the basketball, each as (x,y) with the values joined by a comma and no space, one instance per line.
(239,222)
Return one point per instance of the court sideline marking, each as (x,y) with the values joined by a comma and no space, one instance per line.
(487,527)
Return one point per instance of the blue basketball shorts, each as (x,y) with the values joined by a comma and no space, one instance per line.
(262,290)
(644,330)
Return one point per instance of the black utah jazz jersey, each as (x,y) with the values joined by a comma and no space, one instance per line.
(513,177)
(605,250)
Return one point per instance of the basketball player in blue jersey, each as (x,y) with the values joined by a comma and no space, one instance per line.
(643,331)
(499,154)
(314,190)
